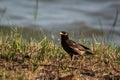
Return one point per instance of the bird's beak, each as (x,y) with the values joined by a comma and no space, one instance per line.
(60,33)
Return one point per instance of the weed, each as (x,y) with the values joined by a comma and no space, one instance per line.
(24,59)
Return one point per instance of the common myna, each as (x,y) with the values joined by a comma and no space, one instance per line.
(72,48)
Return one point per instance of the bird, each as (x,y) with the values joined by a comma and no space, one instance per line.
(73,48)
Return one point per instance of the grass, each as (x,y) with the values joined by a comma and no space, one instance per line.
(31,59)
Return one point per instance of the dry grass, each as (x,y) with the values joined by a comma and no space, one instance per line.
(43,60)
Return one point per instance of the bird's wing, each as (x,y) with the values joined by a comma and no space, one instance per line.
(84,47)
(79,48)
(73,44)
(76,47)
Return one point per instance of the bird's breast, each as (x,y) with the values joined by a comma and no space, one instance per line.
(66,47)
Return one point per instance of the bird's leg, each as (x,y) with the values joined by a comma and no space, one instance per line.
(82,61)
(72,58)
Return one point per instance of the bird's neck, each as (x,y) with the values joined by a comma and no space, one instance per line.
(64,38)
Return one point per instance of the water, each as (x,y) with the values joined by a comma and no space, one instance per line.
(61,13)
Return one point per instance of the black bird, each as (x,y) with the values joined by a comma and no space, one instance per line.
(72,48)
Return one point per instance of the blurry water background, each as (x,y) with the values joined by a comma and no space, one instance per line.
(80,16)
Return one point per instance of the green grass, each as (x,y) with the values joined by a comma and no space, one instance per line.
(27,58)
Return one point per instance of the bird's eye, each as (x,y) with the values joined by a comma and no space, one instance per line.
(66,34)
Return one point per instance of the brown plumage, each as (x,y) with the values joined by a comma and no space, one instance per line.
(71,47)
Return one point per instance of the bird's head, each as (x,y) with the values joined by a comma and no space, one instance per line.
(64,34)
